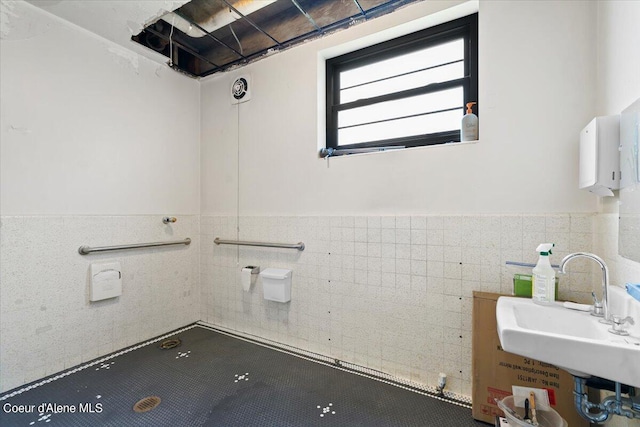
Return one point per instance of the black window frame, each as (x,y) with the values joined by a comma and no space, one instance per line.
(466,27)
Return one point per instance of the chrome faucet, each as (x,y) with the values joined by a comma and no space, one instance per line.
(606,318)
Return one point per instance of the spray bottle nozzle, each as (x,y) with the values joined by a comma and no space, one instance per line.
(545,248)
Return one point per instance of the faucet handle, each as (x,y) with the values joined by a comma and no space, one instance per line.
(618,326)
(618,320)
(598,309)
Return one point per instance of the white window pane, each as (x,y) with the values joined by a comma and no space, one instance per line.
(419,104)
(439,122)
(418,60)
(400,83)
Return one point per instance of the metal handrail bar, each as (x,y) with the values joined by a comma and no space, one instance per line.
(85,250)
(526,264)
(299,246)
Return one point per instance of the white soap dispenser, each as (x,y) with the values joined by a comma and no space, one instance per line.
(469,125)
(543,289)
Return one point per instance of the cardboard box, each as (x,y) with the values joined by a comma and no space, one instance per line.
(495,370)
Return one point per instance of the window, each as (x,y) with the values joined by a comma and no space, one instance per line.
(410,91)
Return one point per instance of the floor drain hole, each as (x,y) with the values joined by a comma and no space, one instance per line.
(146,404)
(172,343)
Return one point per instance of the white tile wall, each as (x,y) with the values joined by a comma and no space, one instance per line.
(47,322)
(389,293)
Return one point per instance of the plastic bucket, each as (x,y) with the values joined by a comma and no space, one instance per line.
(547,417)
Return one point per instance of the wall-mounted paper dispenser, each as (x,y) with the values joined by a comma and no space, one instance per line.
(276,284)
(599,156)
(105,281)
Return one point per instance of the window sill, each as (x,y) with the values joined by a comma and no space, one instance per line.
(448,144)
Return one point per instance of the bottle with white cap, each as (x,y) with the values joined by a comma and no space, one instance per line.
(544,277)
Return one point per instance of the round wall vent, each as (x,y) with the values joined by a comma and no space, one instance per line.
(240,90)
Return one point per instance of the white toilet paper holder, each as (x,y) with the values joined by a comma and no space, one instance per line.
(248,276)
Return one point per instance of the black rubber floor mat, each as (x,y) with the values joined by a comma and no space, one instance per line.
(213,379)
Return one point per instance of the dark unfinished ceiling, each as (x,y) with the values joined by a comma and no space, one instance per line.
(208,36)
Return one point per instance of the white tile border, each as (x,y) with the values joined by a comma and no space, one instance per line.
(449,397)
(93,363)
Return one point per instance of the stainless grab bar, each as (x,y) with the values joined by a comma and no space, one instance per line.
(299,246)
(85,250)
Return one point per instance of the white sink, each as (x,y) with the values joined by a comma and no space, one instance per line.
(573,340)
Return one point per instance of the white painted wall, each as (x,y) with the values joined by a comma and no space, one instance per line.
(89,127)
(618,57)
(537,90)
(97,143)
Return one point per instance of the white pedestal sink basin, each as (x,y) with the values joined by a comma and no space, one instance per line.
(573,340)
